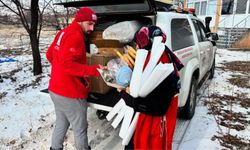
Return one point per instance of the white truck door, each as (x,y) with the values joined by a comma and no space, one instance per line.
(209,46)
(183,44)
(205,48)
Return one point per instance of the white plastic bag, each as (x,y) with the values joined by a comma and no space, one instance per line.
(122,31)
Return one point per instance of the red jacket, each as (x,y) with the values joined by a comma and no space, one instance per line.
(156,132)
(69,72)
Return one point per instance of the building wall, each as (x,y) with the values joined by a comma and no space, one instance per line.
(234,13)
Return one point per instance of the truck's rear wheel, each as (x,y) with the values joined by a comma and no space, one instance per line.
(187,112)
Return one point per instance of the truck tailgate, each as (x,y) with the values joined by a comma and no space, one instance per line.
(103,102)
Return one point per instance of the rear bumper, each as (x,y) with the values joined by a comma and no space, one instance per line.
(103,102)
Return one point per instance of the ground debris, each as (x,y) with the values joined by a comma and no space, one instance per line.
(240,81)
(2,95)
(9,75)
(14,51)
(237,66)
(221,107)
(232,142)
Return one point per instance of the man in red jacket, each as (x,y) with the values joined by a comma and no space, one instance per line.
(69,83)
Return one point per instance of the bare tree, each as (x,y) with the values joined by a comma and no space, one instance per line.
(32,18)
(62,17)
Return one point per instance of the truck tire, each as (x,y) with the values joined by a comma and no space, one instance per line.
(187,112)
(211,71)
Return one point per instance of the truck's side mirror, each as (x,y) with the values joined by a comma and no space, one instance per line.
(214,36)
(208,19)
(207,23)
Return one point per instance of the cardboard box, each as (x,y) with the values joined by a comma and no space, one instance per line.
(96,35)
(105,54)
(97,83)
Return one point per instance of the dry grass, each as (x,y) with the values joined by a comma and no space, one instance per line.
(237,66)
(16,41)
(10,31)
(221,106)
(243,43)
(232,140)
(240,81)
(243,67)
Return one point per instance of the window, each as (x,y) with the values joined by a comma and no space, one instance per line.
(182,35)
(190,5)
(212,7)
(197,30)
(249,8)
(241,6)
(200,30)
(197,8)
(227,7)
(203,31)
(203,8)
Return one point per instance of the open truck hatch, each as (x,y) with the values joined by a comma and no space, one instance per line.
(115,7)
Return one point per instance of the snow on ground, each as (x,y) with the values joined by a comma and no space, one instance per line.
(203,127)
(27,118)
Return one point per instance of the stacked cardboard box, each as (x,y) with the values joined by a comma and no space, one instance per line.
(105,53)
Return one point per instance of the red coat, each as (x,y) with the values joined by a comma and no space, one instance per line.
(69,72)
(156,132)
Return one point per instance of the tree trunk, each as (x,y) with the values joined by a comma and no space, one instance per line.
(37,65)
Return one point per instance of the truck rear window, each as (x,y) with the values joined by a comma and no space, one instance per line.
(182,35)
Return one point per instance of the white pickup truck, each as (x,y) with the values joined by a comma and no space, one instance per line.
(190,40)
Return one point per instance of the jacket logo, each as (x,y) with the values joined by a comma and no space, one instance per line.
(72,50)
(94,17)
(59,41)
(56,47)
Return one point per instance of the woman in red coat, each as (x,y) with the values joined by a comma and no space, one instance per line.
(157,120)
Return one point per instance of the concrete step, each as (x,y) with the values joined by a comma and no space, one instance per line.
(232,33)
(238,29)
(226,42)
(228,36)
(222,46)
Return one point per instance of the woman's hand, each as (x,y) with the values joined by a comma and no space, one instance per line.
(128,90)
(119,90)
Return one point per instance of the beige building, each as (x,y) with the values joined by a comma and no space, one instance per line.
(231,18)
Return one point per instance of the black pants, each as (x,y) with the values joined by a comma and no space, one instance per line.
(130,145)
